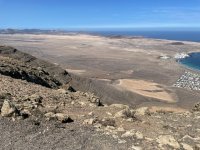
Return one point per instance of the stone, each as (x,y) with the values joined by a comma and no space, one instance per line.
(148,139)
(115,136)
(130,133)
(108,113)
(136,147)
(8,109)
(110,128)
(50,115)
(187,114)
(36,98)
(62,91)
(96,101)
(58,116)
(108,122)
(186,146)
(130,120)
(93,99)
(63,118)
(91,114)
(139,135)
(82,103)
(90,121)
(121,141)
(142,111)
(168,140)
(125,113)
(120,129)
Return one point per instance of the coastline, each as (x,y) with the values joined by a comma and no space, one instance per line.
(189,67)
(146,34)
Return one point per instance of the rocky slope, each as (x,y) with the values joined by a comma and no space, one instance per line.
(49,116)
(24,66)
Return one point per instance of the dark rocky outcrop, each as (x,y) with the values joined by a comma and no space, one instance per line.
(24,66)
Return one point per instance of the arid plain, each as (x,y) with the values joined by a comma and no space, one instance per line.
(118,69)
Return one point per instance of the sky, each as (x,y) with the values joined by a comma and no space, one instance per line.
(66,14)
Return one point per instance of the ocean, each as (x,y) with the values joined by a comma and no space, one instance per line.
(193,36)
(193,61)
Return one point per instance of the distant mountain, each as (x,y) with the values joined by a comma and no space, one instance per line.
(34,31)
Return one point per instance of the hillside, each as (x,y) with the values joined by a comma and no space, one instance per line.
(41,110)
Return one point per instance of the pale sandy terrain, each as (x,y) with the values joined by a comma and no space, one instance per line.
(112,59)
(146,88)
(75,71)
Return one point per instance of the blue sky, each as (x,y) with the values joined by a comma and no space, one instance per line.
(65,14)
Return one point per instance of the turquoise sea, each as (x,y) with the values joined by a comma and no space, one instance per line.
(193,61)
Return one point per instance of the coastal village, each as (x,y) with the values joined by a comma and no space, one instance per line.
(189,81)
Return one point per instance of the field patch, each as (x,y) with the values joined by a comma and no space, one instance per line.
(146,88)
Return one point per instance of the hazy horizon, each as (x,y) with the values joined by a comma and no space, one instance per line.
(112,29)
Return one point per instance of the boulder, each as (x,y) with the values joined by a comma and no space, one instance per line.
(95,100)
(186,146)
(8,109)
(168,140)
(58,116)
(63,118)
(142,111)
(125,113)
